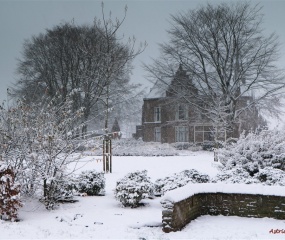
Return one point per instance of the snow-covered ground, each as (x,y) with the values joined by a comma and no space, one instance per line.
(102,217)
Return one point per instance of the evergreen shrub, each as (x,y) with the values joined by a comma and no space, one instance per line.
(177,180)
(134,187)
(92,183)
(255,151)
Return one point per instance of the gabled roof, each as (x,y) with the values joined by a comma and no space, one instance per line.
(157,91)
(161,89)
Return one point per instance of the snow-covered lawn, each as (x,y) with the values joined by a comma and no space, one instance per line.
(103,217)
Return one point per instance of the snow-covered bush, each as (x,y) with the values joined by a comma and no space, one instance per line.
(92,183)
(211,145)
(10,201)
(182,145)
(134,187)
(36,140)
(179,180)
(265,176)
(255,151)
(271,176)
(254,158)
(58,190)
(235,175)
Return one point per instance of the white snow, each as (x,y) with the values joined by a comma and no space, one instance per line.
(102,217)
(157,91)
(182,193)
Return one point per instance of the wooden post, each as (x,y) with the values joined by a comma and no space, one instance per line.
(110,156)
(107,155)
(104,157)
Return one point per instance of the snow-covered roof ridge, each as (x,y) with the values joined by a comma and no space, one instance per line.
(191,189)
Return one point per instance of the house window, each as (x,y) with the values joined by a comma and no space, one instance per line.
(157,134)
(203,133)
(182,112)
(181,134)
(157,114)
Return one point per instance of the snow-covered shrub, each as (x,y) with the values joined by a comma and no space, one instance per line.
(36,140)
(134,187)
(265,176)
(271,176)
(208,145)
(51,194)
(92,183)
(10,201)
(58,190)
(182,145)
(211,145)
(255,151)
(235,175)
(179,180)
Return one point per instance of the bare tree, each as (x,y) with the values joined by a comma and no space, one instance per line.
(85,60)
(228,57)
(117,59)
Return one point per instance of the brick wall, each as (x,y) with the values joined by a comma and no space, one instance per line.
(176,215)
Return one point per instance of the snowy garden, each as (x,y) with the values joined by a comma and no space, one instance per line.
(67,173)
(126,204)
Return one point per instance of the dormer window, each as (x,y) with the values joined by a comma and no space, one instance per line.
(157,114)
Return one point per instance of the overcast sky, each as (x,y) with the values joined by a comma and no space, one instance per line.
(146,20)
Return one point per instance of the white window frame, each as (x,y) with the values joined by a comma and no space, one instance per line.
(157,134)
(181,134)
(157,114)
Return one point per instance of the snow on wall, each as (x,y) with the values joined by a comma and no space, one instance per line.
(185,192)
(181,206)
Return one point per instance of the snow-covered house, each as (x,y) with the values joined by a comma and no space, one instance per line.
(168,117)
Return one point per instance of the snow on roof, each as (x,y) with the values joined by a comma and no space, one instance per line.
(189,190)
(157,91)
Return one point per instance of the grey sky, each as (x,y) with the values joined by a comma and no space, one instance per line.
(146,20)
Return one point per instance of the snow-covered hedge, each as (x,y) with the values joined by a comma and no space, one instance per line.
(182,145)
(134,187)
(92,183)
(10,200)
(235,175)
(266,176)
(179,180)
(255,151)
(271,176)
(254,158)
(131,147)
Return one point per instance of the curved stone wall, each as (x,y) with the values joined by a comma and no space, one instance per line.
(176,215)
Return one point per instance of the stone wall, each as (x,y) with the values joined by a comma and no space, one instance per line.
(176,215)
